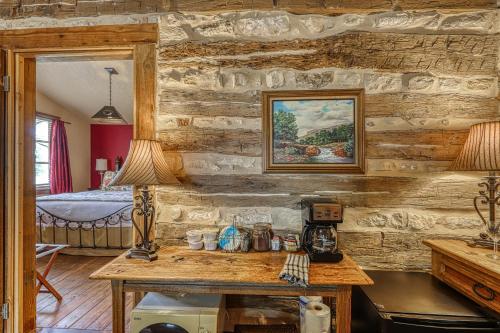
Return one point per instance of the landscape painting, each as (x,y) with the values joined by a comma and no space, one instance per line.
(313,133)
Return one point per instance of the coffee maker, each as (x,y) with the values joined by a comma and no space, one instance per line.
(319,230)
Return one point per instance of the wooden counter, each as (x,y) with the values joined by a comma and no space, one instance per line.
(468,270)
(179,269)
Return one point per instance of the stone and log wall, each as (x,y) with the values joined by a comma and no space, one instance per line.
(428,75)
(429,70)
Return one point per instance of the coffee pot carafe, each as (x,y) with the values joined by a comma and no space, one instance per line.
(324,239)
(319,233)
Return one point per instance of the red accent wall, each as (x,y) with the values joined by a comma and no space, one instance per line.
(108,141)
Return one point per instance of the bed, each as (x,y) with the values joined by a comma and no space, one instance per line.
(90,219)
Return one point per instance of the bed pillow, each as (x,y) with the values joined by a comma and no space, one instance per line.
(108,177)
(106,180)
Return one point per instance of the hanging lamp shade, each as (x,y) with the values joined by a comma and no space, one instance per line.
(145,165)
(481,151)
(108,113)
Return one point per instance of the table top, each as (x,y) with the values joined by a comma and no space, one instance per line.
(179,264)
(474,256)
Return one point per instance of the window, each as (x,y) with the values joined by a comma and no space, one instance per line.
(42,151)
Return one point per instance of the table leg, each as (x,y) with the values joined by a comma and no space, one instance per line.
(118,301)
(343,309)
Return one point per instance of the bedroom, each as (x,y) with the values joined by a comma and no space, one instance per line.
(77,154)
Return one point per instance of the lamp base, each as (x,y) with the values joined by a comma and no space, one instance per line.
(142,253)
(490,197)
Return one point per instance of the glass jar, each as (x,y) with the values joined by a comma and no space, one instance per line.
(261,237)
(291,243)
(245,241)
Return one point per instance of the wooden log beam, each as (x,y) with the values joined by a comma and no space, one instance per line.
(61,9)
(298,184)
(457,54)
(79,37)
(416,145)
(331,7)
(426,198)
(357,191)
(201,102)
(209,103)
(240,142)
(435,145)
(409,106)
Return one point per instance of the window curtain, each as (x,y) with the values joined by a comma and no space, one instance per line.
(60,173)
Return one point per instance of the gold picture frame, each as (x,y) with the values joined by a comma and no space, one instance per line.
(313,131)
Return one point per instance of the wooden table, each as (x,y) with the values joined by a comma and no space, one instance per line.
(468,270)
(179,269)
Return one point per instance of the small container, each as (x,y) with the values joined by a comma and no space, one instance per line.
(245,241)
(211,245)
(290,243)
(276,243)
(193,235)
(196,245)
(261,237)
(230,239)
(209,235)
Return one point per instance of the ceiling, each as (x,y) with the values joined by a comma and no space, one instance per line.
(83,86)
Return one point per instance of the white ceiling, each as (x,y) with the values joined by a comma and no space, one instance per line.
(83,86)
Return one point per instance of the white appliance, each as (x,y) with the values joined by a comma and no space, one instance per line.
(158,313)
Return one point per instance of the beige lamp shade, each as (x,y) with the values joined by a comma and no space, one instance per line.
(145,165)
(481,151)
(101,164)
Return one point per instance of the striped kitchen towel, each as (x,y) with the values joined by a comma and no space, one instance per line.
(296,270)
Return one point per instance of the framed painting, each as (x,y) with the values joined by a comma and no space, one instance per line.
(313,131)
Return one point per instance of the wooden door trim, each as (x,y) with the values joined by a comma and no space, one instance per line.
(22,228)
(24,197)
(3,111)
(10,189)
(69,38)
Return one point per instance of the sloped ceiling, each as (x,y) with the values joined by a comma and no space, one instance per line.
(83,86)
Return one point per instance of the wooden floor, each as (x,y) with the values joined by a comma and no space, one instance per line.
(86,304)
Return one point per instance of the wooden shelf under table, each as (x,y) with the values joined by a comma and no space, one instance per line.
(179,269)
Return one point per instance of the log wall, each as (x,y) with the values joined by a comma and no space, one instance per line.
(429,70)
(428,75)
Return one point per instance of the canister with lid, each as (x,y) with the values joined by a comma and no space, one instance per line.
(261,237)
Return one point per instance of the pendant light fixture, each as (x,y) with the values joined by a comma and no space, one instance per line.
(108,113)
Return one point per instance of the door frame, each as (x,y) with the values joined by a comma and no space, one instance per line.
(23,47)
(3,112)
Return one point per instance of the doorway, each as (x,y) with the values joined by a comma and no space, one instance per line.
(82,223)
(24,47)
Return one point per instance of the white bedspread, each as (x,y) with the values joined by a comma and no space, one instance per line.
(85,206)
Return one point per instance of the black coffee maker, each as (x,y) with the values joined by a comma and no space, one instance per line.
(319,230)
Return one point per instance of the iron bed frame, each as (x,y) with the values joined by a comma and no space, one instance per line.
(47,219)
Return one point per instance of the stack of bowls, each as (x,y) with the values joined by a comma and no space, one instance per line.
(194,239)
(210,239)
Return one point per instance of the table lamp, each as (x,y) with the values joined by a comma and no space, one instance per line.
(481,152)
(101,166)
(145,166)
